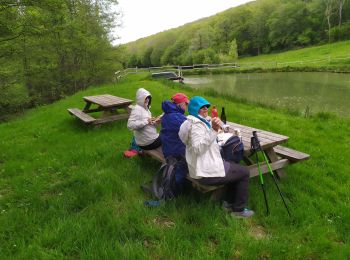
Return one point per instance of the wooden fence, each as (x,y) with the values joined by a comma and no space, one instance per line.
(236,65)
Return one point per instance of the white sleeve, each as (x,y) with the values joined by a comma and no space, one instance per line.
(135,120)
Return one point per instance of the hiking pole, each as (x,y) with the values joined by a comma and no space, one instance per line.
(255,137)
(254,144)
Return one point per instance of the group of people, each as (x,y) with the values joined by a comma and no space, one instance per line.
(193,137)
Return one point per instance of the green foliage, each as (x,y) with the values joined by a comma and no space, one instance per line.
(341,33)
(258,27)
(66,191)
(58,47)
(233,50)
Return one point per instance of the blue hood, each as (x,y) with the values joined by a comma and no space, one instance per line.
(170,107)
(195,104)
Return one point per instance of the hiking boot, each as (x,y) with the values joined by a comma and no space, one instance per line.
(246,213)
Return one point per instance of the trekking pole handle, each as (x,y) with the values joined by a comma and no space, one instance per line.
(254,142)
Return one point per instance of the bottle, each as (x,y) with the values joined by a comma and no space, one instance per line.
(223,115)
(214,112)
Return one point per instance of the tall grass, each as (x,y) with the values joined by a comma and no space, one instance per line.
(66,191)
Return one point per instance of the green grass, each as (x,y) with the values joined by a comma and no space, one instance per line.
(67,192)
(335,56)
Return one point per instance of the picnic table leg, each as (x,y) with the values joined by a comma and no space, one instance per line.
(87,107)
(272,156)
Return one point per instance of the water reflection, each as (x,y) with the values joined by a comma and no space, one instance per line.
(327,92)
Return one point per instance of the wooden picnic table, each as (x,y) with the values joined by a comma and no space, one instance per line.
(278,156)
(108,105)
(270,144)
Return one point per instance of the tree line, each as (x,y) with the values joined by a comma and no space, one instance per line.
(259,27)
(53,48)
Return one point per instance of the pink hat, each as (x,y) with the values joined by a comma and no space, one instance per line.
(179,98)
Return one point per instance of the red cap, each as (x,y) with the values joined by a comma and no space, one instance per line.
(179,98)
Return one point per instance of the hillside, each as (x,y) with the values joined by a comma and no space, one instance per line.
(67,192)
(256,28)
(324,56)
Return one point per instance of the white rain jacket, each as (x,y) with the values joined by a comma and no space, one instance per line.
(144,133)
(202,151)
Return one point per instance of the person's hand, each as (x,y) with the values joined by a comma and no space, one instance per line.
(157,120)
(216,124)
(151,121)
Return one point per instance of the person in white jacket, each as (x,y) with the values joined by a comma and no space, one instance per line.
(205,164)
(141,122)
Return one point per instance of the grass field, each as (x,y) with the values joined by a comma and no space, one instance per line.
(335,56)
(66,191)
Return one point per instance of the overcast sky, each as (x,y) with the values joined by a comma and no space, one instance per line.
(142,18)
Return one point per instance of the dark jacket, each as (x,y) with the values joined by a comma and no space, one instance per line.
(171,121)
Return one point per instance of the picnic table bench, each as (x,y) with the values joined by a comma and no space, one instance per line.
(278,156)
(108,105)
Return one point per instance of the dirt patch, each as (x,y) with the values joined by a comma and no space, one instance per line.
(163,222)
(258,232)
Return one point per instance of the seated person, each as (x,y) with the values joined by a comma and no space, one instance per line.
(173,117)
(142,123)
(204,160)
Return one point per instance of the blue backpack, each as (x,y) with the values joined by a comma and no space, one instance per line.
(232,150)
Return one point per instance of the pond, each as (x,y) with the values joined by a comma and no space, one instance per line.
(312,91)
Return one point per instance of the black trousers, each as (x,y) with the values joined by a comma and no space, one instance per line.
(156,143)
(236,180)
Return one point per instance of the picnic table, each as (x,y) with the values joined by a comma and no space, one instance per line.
(108,105)
(278,155)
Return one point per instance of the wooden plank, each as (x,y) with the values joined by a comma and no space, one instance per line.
(267,139)
(253,169)
(106,119)
(81,115)
(107,100)
(290,154)
(201,187)
(156,154)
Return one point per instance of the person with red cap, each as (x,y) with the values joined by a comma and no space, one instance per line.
(174,116)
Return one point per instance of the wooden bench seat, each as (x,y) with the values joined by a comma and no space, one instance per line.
(81,115)
(292,155)
(156,154)
(201,187)
(288,156)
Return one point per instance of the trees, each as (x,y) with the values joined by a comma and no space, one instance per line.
(256,27)
(59,47)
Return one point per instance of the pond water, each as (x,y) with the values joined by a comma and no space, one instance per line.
(313,91)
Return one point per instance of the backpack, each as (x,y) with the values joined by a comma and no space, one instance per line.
(232,150)
(164,183)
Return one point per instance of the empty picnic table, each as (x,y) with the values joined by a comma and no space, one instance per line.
(108,105)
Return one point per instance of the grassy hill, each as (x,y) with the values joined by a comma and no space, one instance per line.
(328,56)
(66,191)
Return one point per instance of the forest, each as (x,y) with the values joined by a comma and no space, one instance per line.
(50,49)
(258,27)
(53,48)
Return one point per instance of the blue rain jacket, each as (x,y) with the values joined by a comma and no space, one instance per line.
(171,121)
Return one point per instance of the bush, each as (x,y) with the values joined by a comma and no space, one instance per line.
(14,98)
(341,33)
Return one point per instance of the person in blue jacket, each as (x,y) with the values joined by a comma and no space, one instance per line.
(174,116)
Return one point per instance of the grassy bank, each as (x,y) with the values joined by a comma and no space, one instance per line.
(67,192)
(328,57)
